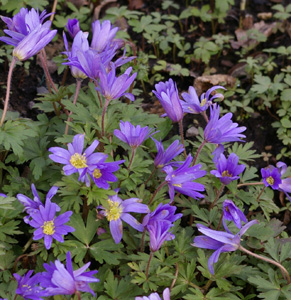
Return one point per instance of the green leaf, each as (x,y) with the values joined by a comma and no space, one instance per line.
(84,233)
(103,251)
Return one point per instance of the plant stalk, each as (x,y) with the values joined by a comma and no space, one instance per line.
(148,265)
(103,117)
(197,153)
(78,86)
(217,196)
(13,62)
(155,193)
(271,261)
(182,136)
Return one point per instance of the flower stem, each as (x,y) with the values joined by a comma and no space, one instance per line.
(13,62)
(153,172)
(148,265)
(250,183)
(176,276)
(182,136)
(103,117)
(205,116)
(78,294)
(131,159)
(258,198)
(155,193)
(98,94)
(142,240)
(271,261)
(217,196)
(47,73)
(197,153)
(78,86)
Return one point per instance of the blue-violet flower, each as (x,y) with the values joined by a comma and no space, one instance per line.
(155,296)
(182,178)
(227,169)
(117,210)
(61,280)
(167,93)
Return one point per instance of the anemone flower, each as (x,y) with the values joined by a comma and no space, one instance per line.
(181,179)
(75,160)
(168,95)
(48,226)
(132,135)
(155,296)
(28,287)
(220,130)
(61,280)
(164,157)
(193,105)
(227,169)
(219,241)
(117,210)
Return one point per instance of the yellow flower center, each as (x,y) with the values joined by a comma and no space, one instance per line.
(114,211)
(226,174)
(160,166)
(96,173)
(270,180)
(177,184)
(48,227)
(78,161)
(203,102)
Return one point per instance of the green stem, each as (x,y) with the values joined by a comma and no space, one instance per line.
(197,153)
(13,62)
(79,82)
(47,73)
(176,276)
(148,265)
(78,294)
(271,261)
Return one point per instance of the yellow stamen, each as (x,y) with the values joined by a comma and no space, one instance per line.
(270,180)
(48,227)
(226,174)
(177,184)
(97,174)
(160,166)
(203,102)
(114,211)
(78,161)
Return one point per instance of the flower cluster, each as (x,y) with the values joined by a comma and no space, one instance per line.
(28,34)
(57,280)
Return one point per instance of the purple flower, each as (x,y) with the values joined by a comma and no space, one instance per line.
(159,233)
(27,33)
(163,158)
(193,105)
(32,206)
(219,241)
(163,212)
(73,27)
(131,135)
(28,288)
(3,195)
(102,172)
(227,169)
(47,225)
(272,177)
(222,130)
(155,296)
(75,160)
(182,178)
(103,35)
(112,87)
(232,213)
(61,280)
(117,210)
(167,93)
(80,44)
